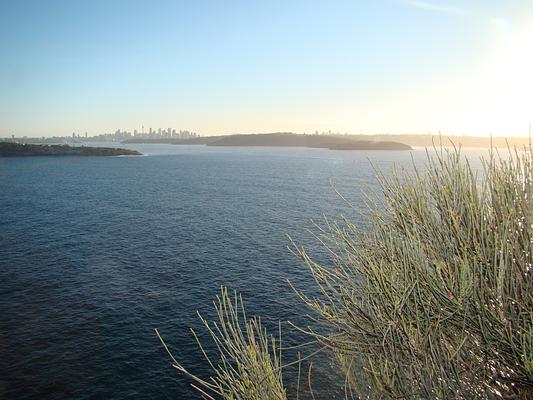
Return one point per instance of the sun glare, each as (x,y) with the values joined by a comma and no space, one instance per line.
(508,84)
(499,99)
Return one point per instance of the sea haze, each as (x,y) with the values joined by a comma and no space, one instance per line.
(96,252)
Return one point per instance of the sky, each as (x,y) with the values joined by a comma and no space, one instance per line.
(218,67)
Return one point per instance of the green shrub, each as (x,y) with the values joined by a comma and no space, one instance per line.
(249,362)
(433,300)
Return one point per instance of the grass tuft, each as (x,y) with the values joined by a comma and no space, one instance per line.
(248,366)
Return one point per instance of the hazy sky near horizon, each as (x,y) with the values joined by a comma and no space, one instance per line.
(383,66)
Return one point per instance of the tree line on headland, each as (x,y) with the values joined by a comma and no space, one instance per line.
(25,150)
(287,139)
(393,142)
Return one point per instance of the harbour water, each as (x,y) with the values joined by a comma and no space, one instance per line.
(96,252)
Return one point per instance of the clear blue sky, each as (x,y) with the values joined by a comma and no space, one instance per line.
(248,66)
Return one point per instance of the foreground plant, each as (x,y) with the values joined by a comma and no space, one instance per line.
(433,301)
(248,366)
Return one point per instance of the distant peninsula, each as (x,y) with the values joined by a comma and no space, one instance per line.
(27,150)
(283,139)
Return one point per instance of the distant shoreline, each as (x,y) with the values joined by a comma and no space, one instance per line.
(341,142)
(39,150)
(288,139)
(283,140)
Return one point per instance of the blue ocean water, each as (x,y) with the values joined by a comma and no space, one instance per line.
(96,252)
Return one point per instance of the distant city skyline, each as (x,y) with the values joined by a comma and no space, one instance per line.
(387,66)
(121,134)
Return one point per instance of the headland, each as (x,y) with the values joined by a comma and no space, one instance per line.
(29,150)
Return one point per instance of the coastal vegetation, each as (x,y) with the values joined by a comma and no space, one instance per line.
(433,300)
(287,139)
(8,149)
(342,141)
(316,141)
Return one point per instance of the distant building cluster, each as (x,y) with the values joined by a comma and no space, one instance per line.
(169,133)
(328,133)
(118,136)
